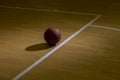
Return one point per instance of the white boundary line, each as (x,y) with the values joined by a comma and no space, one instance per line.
(55,49)
(110,28)
(34,9)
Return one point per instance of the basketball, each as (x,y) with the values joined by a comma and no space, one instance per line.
(52,36)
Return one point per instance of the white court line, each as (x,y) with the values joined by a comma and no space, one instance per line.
(110,28)
(55,49)
(34,9)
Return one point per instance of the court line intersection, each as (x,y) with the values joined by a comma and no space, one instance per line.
(97,16)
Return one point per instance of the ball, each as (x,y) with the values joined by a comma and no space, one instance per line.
(52,36)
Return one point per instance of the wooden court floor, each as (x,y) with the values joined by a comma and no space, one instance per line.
(94,54)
